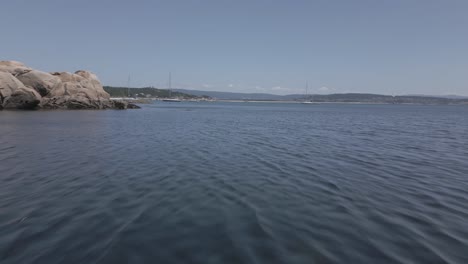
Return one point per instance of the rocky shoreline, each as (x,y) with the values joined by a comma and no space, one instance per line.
(22,87)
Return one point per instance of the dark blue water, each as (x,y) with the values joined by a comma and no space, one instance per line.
(235,183)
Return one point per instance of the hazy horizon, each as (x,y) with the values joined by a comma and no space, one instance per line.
(382,47)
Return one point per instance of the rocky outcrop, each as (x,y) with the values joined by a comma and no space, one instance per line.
(80,90)
(22,87)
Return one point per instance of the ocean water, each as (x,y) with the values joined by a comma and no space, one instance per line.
(235,183)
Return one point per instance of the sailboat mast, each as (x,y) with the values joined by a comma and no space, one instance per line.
(128,86)
(170,84)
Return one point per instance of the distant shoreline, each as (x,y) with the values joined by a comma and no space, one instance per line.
(150,100)
(343,98)
(332,102)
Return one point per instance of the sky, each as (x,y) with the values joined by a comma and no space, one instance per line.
(390,47)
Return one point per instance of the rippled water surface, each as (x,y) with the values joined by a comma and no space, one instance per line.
(235,183)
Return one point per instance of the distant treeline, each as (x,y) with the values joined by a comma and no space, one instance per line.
(387,99)
(148,92)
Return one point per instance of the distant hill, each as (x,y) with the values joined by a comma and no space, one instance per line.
(387,99)
(449,96)
(345,97)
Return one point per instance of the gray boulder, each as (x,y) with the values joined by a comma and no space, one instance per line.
(133,106)
(14,67)
(122,105)
(80,90)
(94,82)
(42,82)
(14,95)
(75,102)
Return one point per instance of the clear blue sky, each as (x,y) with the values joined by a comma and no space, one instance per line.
(377,46)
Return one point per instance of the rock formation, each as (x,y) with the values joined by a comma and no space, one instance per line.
(22,87)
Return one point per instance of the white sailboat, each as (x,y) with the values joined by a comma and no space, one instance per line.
(305,96)
(170,99)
